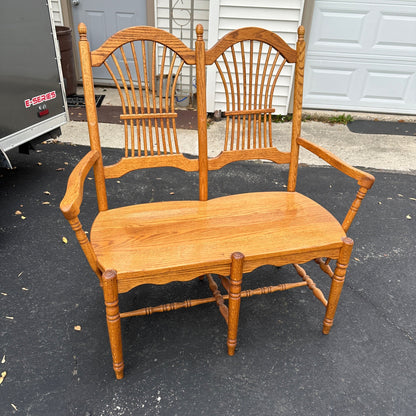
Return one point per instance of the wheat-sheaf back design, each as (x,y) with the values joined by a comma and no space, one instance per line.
(149,106)
(249,62)
(145,65)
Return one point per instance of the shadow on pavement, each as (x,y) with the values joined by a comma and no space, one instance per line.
(382,127)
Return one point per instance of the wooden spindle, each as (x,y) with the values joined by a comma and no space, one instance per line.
(311,284)
(85,245)
(225,283)
(153,92)
(218,297)
(250,93)
(243,59)
(324,267)
(161,77)
(147,97)
(269,93)
(138,123)
(261,93)
(271,289)
(231,103)
(132,106)
(128,100)
(238,96)
(196,302)
(173,105)
(354,208)
(227,103)
(256,119)
(149,310)
(169,97)
(122,102)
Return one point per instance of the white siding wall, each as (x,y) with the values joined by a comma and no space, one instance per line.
(57,12)
(280,16)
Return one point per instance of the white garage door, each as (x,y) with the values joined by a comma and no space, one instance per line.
(362,56)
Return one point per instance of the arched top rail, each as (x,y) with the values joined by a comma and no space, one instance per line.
(139,33)
(250,33)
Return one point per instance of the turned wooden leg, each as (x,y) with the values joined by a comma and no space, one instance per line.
(337,283)
(112,311)
(236,278)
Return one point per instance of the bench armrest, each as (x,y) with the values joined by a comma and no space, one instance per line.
(71,202)
(363,178)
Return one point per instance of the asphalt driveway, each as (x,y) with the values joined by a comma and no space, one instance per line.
(53,336)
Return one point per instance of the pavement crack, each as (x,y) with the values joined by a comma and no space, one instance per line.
(383,315)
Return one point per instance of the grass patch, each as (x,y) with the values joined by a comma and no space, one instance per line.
(280,118)
(341,119)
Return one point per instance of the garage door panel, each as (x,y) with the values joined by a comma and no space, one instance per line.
(363,86)
(338,23)
(323,81)
(396,35)
(343,27)
(386,86)
(362,56)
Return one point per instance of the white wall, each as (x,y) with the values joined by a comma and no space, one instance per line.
(57,12)
(280,16)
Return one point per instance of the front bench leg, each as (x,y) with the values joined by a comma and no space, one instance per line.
(236,278)
(337,284)
(112,312)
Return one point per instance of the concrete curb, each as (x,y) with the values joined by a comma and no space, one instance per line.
(388,152)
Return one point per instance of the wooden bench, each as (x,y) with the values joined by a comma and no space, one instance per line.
(161,242)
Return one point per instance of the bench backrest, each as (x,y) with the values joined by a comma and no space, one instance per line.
(146,63)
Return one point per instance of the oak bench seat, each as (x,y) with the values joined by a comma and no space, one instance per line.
(188,238)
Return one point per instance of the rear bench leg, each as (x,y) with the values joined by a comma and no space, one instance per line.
(236,277)
(337,283)
(112,311)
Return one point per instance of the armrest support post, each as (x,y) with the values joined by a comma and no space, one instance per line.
(354,208)
(85,244)
(71,203)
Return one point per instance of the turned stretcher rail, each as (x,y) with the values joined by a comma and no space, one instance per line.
(195,302)
(311,284)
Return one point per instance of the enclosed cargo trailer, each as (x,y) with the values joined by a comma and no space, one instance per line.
(33,102)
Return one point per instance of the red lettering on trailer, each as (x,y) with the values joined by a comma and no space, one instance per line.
(38,99)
